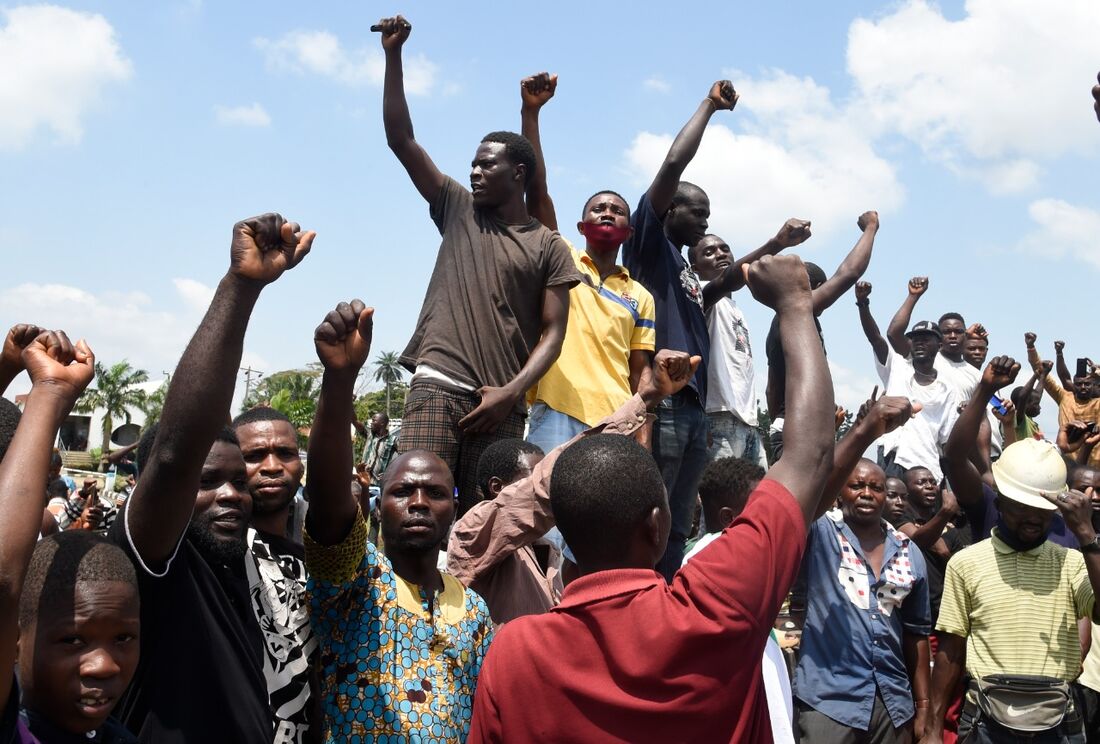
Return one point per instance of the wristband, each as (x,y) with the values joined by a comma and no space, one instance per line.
(863,303)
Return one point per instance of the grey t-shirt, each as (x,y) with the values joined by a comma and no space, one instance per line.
(482,313)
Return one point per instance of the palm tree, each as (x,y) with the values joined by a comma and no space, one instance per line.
(115,392)
(388,370)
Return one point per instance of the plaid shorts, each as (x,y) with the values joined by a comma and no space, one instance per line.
(430,422)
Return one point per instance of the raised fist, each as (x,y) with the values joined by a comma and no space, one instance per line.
(777,279)
(977,330)
(918,285)
(1059,347)
(54,364)
(1001,371)
(537,89)
(264,247)
(343,338)
(19,337)
(793,232)
(1046,366)
(670,372)
(1096,98)
(868,220)
(395,32)
(1030,339)
(723,96)
(863,290)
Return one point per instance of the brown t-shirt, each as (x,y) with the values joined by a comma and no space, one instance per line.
(482,313)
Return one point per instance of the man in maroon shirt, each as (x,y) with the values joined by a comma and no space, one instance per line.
(626,657)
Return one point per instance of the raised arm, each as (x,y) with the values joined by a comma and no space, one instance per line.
(722,96)
(197,403)
(851,268)
(875,418)
(1039,373)
(343,344)
(867,321)
(59,373)
(497,402)
(1053,387)
(965,480)
(793,232)
(781,283)
(535,91)
(395,113)
(11,357)
(929,536)
(899,324)
(1060,363)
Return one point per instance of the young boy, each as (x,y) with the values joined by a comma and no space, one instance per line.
(68,607)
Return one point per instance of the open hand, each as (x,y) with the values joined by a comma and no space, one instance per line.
(669,373)
(1001,371)
(723,96)
(793,232)
(918,285)
(264,247)
(343,339)
(54,364)
(538,89)
(395,32)
(496,403)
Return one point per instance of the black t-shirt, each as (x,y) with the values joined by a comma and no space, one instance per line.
(777,365)
(26,727)
(200,679)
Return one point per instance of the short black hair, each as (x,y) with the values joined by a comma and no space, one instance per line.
(382,415)
(57,489)
(684,191)
(1017,397)
(260,413)
(952,316)
(501,460)
(518,149)
(601,192)
(693,250)
(148,437)
(62,560)
(9,421)
(55,460)
(816,274)
(601,489)
(727,481)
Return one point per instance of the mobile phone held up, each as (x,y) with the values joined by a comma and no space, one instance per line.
(998,405)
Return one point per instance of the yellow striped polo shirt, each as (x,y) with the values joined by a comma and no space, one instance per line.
(607,320)
(1018,610)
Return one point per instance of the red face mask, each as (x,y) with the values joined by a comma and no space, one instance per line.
(603,236)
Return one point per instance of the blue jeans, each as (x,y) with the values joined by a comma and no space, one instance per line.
(680,449)
(548,428)
(732,437)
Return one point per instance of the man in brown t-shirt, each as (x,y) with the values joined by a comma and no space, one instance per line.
(495,312)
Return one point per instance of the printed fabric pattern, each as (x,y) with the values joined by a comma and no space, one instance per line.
(895,581)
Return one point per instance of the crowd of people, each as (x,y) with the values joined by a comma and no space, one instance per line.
(580,532)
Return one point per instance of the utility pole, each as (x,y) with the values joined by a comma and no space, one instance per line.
(248,372)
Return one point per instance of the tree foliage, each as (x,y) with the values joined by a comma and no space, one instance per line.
(116,393)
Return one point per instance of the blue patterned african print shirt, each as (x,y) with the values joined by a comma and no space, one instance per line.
(397,665)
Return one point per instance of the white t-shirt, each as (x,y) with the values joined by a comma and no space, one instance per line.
(729,372)
(920,441)
(959,375)
(777,682)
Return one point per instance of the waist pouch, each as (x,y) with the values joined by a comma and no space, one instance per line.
(1023,703)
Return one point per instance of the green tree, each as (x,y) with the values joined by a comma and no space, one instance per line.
(293,392)
(154,402)
(388,371)
(116,392)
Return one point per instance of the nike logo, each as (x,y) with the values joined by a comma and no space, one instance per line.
(1015,712)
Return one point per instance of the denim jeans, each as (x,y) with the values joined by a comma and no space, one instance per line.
(548,428)
(732,437)
(680,449)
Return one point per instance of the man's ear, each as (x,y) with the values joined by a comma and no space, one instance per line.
(520,173)
(726,516)
(496,485)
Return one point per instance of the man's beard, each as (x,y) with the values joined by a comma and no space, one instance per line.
(213,549)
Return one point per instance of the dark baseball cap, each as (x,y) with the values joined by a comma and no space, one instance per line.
(925,326)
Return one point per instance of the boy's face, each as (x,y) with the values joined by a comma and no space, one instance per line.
(74,665)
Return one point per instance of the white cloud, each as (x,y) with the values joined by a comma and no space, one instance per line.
(657,84)
(988,94)
(801,156)
(321,53)
(242,116)
(56,63)
(1063,229)
(196,295)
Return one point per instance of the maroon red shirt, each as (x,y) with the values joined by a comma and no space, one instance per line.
(626,657)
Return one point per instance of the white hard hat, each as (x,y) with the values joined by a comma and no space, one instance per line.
(1029,468)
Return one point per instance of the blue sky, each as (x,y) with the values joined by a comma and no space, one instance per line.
(140,132)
